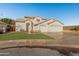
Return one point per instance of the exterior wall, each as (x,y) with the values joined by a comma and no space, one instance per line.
(36,28)
(37,20)
(3,27)
(56,23)
(20,26)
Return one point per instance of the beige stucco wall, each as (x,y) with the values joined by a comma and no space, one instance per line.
(56,23)
(22,25)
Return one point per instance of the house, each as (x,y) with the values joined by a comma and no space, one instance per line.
(3,26)
(38,24)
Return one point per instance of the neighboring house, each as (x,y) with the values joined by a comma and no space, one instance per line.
(38,24)
(3,26)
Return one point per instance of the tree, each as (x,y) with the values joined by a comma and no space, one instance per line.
(8,21)
(10,24)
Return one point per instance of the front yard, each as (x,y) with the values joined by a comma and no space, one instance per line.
(22,35)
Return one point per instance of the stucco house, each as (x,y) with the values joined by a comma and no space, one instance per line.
(38,24)
(3,26)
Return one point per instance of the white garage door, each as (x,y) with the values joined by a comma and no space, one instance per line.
(55,28)
(51,28)
(43,28)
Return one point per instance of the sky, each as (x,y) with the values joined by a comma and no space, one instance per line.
(67,13)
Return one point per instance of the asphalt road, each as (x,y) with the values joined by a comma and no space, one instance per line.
(28,52)
(25,51)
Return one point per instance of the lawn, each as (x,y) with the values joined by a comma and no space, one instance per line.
(22,35)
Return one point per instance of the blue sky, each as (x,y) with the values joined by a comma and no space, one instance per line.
(68,13)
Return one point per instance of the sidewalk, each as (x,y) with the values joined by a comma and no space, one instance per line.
(33,43)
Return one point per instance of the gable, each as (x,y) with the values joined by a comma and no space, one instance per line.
(56,23)
(37,20)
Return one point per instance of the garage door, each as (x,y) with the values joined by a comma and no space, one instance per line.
(55,28)
(50,28)
(43,28)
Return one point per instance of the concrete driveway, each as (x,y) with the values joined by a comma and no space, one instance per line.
(65,37)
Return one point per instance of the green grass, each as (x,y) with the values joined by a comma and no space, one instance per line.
(22,35)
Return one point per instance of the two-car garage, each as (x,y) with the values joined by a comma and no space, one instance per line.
(50,28)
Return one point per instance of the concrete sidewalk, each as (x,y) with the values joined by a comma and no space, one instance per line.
(33,43)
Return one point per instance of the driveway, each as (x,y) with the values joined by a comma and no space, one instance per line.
(71,38)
